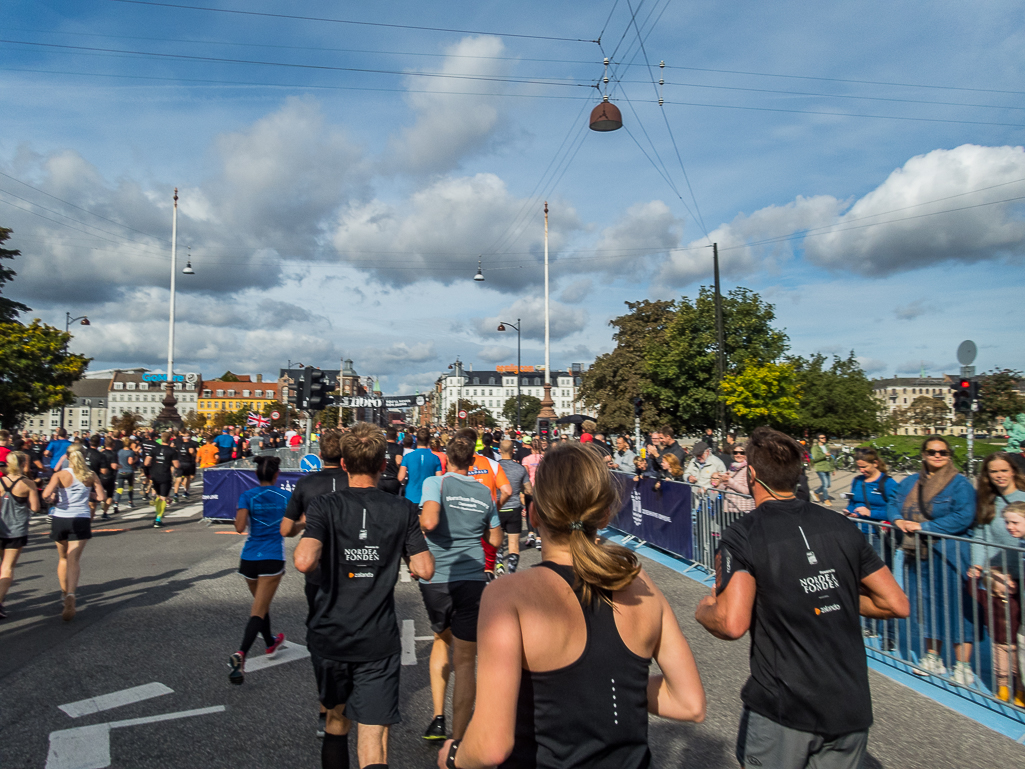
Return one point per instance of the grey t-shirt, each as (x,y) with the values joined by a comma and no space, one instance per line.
(467,512)
(123,468)
(517,474)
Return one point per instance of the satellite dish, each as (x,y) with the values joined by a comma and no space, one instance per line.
(966,352)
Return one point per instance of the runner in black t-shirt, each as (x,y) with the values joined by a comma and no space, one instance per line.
(146,447)
(798,576)
(389,480)
(357,536)
(331,479)
(162,463)
(187,447)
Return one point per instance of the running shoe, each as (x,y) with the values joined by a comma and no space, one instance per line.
(116,510)
(3,612)
(537,543)
(963,674)
(273,648)
(105,517)
(436,730)
(489,576)
(321,725)
(236,668)
(158,524)
(499,569)
(930,664)
(68,613)
(530,539)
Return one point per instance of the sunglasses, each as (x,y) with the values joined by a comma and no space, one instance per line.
(937,453)
(738,453)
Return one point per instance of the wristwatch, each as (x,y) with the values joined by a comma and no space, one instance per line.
(450,761)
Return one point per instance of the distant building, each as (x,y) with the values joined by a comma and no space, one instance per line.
(900,392)
(88,412)
(139,391)
(217,395)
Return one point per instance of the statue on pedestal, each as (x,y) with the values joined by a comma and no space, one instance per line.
(1015,433)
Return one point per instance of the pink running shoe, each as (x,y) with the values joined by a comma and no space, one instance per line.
(273,648)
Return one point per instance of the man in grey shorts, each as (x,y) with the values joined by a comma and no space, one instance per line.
(798,576)
(511,514)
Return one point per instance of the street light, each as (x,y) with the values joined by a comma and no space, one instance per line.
(188,265)
(457,368)
(68,320)
(479,277)
(501,327)
(169,413)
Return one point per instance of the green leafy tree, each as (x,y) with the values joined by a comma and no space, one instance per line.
(999,397)
(530,407)
(926,412)
(476,415)
(328,418)
(286,415)
(681,364)
(9,309)
(616,378)
(762,394)
(127,422)
(836,400)
(36,371)
(227,376)
(194,421)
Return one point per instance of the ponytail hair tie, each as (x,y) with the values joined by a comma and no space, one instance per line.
(577,526)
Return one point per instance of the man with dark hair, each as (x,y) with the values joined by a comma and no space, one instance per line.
(162,463)
(457,513)
(57,448)
(357,536)
(418,465)
(330,479)
(393,458)
(670,446)
(488,451)
(491,474)
(798,576)
(225,443)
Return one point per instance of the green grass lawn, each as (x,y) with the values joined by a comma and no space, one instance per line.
(912,444)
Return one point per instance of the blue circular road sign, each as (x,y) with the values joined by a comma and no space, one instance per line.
(310,463)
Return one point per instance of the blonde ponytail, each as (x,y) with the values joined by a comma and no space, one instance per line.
(574,496)
(17,463)
(76,458)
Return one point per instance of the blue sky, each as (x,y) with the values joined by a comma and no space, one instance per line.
(860,166)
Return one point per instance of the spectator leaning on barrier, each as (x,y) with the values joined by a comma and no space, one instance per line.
(735,480)
(798,577)
(938,500)
(670,446)
(702,466)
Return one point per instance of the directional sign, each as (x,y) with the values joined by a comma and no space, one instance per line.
(462,415)
(275,415)
(309,463)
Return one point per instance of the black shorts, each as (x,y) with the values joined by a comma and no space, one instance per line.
(145,470)
(187,471)
(454,605)
(13,542)
(369,690)
(63,529)
(162,486)
(109,484)
(511,520)
(257,569)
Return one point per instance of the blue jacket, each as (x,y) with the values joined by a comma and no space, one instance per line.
(867,494)
(953,509)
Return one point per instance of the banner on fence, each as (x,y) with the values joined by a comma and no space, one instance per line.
(222,488)
(662,517)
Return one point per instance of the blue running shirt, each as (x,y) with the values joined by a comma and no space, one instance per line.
(266,506)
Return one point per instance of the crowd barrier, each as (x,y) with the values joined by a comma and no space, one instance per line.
(960,613)
(290,458)
(223,485)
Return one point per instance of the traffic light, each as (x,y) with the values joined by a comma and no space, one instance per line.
(964,393)
(544,428)
(638,406)
(313,386)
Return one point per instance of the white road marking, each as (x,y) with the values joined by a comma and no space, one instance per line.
(424,638)
(408,642)
(88,747)
(404,573)
(186,512)
(115,699)
(287,652)
(136,515)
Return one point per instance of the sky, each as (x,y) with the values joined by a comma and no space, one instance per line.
(343,168)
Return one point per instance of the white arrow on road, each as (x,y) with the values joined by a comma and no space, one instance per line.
(115,699)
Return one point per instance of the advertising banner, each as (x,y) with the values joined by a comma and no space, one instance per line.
(222,488)
(662,518)
(389,402)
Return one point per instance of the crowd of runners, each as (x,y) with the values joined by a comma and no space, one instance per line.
(552,665)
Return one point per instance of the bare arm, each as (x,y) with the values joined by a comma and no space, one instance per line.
(403,472)
(504,492)
(527,488)
(241,519)
(430,515)
(677,693)
(495,537)
(290,528)
(51,487)
(33,497)
(728,615)
(307,554)
(421,565)
(881,596)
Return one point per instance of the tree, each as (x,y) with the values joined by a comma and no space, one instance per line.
(681,363)
(762,394)
(837,400)
(999,397)
(194,421)
(36,371)
(530,407)
(286,415)
(616,378)
(926,412)
(476,415)
(9,309)
(128,422)
(328,418)
(227,376)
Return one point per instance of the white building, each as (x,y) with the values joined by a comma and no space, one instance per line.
(88,412)
(142,392)
(492,388)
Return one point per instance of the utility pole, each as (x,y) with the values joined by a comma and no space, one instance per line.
(547,412)
(720,357)
(966,353)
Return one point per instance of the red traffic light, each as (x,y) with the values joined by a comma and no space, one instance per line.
(966,384)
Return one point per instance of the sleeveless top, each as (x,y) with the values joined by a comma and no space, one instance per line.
(72,501)
(593,712)
(14,512)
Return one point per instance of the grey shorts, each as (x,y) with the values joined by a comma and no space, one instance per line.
(761,742)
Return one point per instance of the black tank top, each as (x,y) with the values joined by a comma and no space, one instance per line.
(593,712)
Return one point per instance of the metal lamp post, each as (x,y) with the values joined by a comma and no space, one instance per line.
(169,413)
(501,327)
(68,320)
(457,369)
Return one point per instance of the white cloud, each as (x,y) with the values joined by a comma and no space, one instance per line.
(644,229)
(872,366)
(496,353)
(577,291)
(913,310)
(910,239)
(564,320)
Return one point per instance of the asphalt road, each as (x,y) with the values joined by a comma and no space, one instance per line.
(164,609)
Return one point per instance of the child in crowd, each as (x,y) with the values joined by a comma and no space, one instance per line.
(1014,520)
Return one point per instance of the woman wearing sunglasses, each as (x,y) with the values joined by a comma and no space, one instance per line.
(937,500)
(735,480)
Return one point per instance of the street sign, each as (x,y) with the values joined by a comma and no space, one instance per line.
(275,415)
(310,463)
(966,353)
(462,415)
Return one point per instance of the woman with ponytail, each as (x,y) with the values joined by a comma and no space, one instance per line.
(68,491)
(563,649)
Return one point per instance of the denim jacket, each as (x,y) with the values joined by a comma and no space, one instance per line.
(953,509)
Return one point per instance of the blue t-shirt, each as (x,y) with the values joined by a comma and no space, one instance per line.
(266,506)
(867,494)
(225,444)
(420,464)
(467,512)
(57,449)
